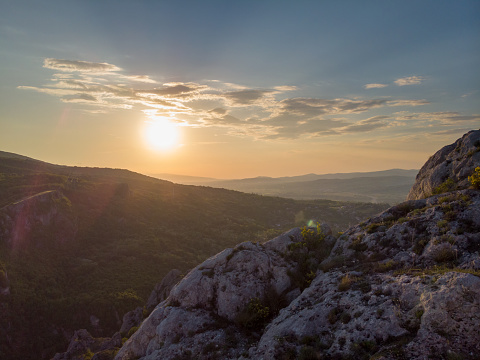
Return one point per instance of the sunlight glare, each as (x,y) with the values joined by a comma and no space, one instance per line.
(161,134)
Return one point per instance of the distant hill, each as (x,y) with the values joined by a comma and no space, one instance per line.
(388,186)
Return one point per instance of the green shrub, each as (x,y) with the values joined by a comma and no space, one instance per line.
(386,266)
(475,178)
(444,254)
(254,315)
(419,245)
(307,254)
(446,186)
(419,313)
(334,315)
(357,245)
(88,355)
(345,283)
(132,331)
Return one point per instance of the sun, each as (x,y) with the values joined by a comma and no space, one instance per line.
(161,134)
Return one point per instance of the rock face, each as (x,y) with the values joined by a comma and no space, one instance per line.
(163,288)
(455,162)
(403,285)
(37,221)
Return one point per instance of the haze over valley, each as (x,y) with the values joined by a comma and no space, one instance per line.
(389,186)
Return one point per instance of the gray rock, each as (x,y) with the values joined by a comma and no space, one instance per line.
(456,161)
(131,319)
(162,289)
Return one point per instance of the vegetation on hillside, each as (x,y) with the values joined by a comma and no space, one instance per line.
(130,231)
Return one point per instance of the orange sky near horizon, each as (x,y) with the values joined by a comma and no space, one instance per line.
(238,89)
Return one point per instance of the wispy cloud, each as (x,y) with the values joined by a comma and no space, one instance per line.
(439,117)
(366,125)
(78,65)
(409,80)
(264,113)
(408,102)
(375,86)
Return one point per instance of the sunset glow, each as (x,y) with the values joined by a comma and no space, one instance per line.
(161,134)
(277,88)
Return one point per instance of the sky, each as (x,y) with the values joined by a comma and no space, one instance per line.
(236,89)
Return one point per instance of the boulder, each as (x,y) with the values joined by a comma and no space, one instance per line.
(450,166)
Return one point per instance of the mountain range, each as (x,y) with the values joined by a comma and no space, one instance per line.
(388,186)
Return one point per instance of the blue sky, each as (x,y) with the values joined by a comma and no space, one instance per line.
(251,87)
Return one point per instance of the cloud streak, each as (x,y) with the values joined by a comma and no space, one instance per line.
(409,80)
(375,86)
(78,65)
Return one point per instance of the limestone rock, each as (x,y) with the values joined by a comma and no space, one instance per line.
(131,319)
(204,307)
(405,281)
(162,289)
(456,162)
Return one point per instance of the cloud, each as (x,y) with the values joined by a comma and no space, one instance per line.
(266,113)
(246,97)
(374,86)
(408,102)
(81,97)
(285,88)
(316,107)
(218,111)
(139,78)
(409,80)
(78,65)
(366,125)
(174,89)
(442,117)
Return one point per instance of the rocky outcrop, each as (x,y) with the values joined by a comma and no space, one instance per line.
(207,307)
(40,220)
(403,285)
(404,282)
(135,317)
(163,288)
(449,168)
